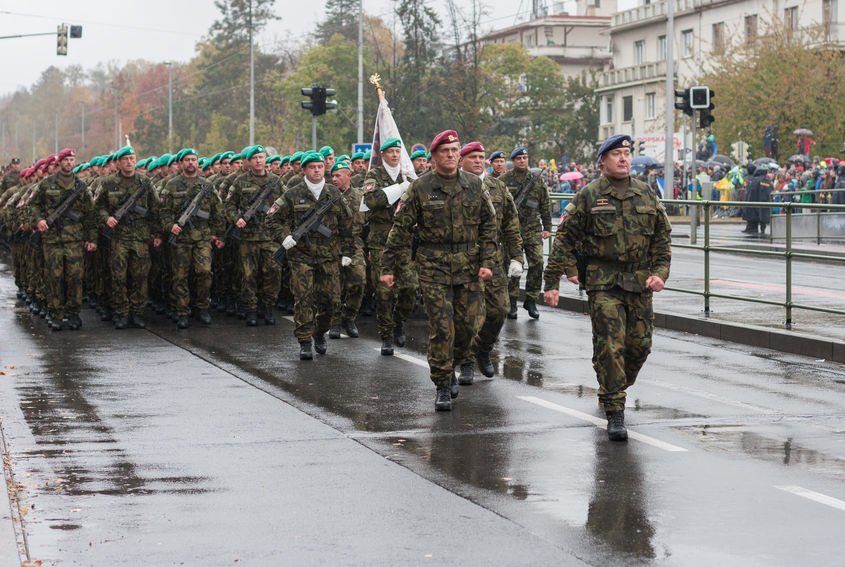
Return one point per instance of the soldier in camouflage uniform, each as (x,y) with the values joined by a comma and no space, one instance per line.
(65,240)
(316,258)
(457,250)
(353,277)
(534,207)
(12,177)
(382,189)
(130,236)
(261,276)
(508,263)
(619,227)
(420,160)
(192,250)
(497,163)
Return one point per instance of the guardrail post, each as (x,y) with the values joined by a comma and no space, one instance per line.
(788,257)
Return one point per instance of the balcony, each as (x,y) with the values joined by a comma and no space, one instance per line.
(569,53)
(638,74)
(657,11)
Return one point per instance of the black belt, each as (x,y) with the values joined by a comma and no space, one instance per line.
(616,265)
(450,247)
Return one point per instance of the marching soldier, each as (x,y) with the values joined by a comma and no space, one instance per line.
(189,195)
(620,228)
(535,224)
(420,160)
(457,250)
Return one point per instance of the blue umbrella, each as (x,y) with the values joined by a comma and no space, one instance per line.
(644,161)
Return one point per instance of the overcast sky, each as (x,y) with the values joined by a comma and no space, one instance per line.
(157,30)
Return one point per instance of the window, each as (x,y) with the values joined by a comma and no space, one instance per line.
(608,109)
(686,43)
(827,17)
(650,106)
(750,28)
(639,52)
(627,108)
(661,48)
(530,40)
(790,20)
(719,37)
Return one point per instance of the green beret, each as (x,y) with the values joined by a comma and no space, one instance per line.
(84,166)
(249,152)
(391,143)
(340,165)
(311,157)
(226,155)
(284,160)
(357,155)
(185,152)
(172,159)
(368,156)
(235,157)
(276,157)
(76,169)
(214,159)
(124,151)
(142,163)
(296,156)
(204,163)
(418,154)
(326,151)
(342,157)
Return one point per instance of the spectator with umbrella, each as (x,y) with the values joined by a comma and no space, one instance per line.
(759,190)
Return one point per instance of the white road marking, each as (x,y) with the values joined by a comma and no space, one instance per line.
(600,423)
(408,358)
(703,394)
(290,318)
(814,496)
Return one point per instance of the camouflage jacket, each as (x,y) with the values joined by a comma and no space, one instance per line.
(79,223)
(242,194)
(381,214)
(177,195)
(141,220)
(287,214)
(622,233)
(507,222)
(352,197)
(533,204)
(457,229)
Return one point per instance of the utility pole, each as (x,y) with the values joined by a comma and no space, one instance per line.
(169,106)
(669,131)
(82,131)
(361,72)
(251,83)
(116,132)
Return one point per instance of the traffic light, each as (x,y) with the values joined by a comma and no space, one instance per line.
(699,98)
(707,117)
(75,32)
(640,148)
(61,39)
(682,101)
(318,105)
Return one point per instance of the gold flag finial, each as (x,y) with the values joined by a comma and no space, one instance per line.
(128,143)
(375,80)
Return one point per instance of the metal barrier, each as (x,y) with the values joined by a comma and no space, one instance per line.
(707,248)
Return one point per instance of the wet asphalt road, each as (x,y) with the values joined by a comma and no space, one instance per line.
(216,446)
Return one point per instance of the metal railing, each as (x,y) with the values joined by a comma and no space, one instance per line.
(788,253)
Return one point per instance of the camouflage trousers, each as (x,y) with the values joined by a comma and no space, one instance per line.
(496,307)
(316,293)
(64,272)
(185,257)
(454,312)
(130,268)
(532,244)
(353,280)
(102,268)
(260,274)
(393,304)
(622,327)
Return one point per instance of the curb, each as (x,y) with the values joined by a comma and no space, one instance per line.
(783,341)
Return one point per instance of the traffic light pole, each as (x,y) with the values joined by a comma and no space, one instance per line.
(314,133)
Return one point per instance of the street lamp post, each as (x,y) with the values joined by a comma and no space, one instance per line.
(169,106)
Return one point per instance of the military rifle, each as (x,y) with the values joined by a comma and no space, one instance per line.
(62,210)
(189,212)
(521,198)
(312,221)
(128,204)
(254,207)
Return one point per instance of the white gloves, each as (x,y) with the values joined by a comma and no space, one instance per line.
(345,261)
(288,242)
(515,269)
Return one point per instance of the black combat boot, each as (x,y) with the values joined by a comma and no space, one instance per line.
(182,321)
(74,323)
(387,347)
(121,322)
(269,318)
(512,313)
(55,323)
(334,332)
(454,388)
(750,228)
(305,351)
(399,334)
(136,321)
(320,344)
(350,328)
(443,401)
(616,426)
(204,317)
(106,314)
(531,307)
(251,319)
(467,376)
(484,364)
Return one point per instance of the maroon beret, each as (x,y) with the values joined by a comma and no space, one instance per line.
(67,152)
(445,137)
(472,147)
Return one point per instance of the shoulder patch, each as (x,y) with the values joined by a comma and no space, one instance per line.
(602,202)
